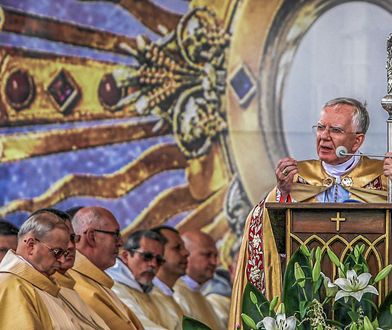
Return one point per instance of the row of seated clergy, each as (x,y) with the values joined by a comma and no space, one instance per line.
(64,308)
(151,263)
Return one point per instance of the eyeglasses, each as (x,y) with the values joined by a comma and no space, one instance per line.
(74,238)
(148,256)
(57,252)
(116,234)
(332,130)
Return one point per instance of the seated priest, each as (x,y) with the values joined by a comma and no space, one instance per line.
(99,244)
(138,262)
(335,177)
(30,299)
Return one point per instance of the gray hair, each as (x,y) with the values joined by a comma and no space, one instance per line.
(360,119)
(39,224)
(133,240)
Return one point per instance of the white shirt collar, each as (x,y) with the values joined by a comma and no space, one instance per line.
(162,286)
(191,283)
(338,170)
(121,273)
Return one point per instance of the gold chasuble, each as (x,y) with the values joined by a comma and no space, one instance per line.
(73,300)
(195,305)
(94,287)
(259,262)
(141,303)
(168,307)
(30,300)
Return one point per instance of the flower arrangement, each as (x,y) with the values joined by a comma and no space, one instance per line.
(311,300)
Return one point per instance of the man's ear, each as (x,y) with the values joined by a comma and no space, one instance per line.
(123,254)
(359,139)
(29,243)
(90,238)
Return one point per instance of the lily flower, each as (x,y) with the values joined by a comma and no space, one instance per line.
(280,323)
(330,288)
(354,285)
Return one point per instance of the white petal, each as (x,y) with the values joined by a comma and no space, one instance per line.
(342,294)
(270,323)
(344,284)
(351,274)
(290,323)
(357,294)
(370,289)
(281,317)
(364,279)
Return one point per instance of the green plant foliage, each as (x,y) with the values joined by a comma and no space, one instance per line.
(189,323)
(254,305)
(310,300)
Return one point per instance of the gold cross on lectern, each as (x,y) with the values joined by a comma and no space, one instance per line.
(338,219)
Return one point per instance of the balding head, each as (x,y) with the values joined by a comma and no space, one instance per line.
(43,240)
(100,235)
(203,257)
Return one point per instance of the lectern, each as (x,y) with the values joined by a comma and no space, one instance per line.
(339,226)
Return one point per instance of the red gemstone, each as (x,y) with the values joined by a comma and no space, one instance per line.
(108,92)
(19,89)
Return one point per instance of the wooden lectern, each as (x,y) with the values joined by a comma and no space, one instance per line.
(339,226)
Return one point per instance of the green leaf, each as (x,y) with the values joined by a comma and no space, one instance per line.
(302,308)
(383,273)
(189,323)
(293,294)
(367,325)
(253,298)
(385,313)
(316,271)
(318,254)
(248,321)
(304,249)
(273,303)
(253,310)
(299,275)
(333,257)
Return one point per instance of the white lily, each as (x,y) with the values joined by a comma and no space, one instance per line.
(330,288)
(354,285)
(280,323)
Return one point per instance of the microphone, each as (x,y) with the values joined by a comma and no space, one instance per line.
(341,151)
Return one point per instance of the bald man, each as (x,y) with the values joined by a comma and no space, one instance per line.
(97,248)
(202,262)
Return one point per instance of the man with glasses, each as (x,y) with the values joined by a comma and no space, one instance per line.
(133,272)
(86,315)
(8,237)
(97,249)
(29,298)
(334,177)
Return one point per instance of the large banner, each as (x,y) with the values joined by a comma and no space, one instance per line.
(175,112)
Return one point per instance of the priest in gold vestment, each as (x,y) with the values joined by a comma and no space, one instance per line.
(97,250)
(335,177)
(137,264)
(30,299)
(202,262)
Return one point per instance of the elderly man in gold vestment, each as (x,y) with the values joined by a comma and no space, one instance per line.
(334,177)
(133,272)
(202,262)
(96,251)
(29,298)
(176,261)
(66,283)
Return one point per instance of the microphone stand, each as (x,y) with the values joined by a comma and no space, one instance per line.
(386,103)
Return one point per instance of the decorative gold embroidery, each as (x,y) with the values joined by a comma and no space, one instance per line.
(347,182)
(328,182)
